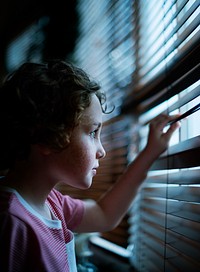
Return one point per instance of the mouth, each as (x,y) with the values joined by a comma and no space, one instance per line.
(94,171)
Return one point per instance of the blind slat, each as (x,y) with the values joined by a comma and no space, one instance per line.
(180,177)
(182,155)
(183,244)
(147,63)
(156,208)
(181,261)
(180,66)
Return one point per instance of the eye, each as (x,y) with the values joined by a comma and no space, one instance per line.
(93,134)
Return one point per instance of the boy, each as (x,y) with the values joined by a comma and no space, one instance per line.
(51,120)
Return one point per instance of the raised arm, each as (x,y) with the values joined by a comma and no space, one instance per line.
(108,211)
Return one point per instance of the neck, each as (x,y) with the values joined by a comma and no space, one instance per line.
(34,194)
(29,185)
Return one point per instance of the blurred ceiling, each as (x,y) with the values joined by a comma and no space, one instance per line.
(60,32)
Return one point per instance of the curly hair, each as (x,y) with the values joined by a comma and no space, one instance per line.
(41,104)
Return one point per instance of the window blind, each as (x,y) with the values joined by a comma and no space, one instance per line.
(164,218)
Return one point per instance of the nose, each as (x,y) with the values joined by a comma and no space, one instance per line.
(101,153)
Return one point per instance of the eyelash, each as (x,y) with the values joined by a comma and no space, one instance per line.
(93,133)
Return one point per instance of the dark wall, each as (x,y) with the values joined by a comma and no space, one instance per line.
(60,32)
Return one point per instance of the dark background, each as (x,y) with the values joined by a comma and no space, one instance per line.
(60,31)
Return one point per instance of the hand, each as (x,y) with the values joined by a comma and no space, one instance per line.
(158,140)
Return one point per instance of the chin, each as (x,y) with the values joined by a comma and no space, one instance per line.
(80,183)
(84,185)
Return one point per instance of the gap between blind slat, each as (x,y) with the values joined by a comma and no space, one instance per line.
(184,210)
(181,262)
(155,9)
(178,242)
(175,30)
(154,244)
(183,244)
(181,177)
(165,80)
(183,155)
(178,225)
(186,99)
(181,193)
(177,45)
(185,81)
(174,16)
(174,258)
(180,209)
(186,159)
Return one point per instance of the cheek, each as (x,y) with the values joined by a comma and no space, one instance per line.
(83,156)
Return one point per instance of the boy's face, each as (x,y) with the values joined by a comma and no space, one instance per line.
(77,164)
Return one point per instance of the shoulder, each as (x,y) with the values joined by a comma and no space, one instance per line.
(11,223)
(18,243)
(10,204)
(63,200)
(15,236)
(63,205)
(13,216)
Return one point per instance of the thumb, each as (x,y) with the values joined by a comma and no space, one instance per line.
(171,130)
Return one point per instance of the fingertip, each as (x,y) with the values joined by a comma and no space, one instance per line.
(176,125)
(174,116)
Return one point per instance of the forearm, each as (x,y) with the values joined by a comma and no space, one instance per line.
(118,199)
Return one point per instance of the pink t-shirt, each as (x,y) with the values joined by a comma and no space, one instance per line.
(30,242)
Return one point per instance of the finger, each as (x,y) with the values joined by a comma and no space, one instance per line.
(174,118)
(163,120)
(160,121)
(171,130)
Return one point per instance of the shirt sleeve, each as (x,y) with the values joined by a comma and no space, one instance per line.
(73,209)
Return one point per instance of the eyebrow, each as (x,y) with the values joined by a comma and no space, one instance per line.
(98,125)
(93,123)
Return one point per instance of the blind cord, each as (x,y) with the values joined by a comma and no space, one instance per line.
(187,113)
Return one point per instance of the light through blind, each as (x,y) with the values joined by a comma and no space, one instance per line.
(167,49)
(105,47)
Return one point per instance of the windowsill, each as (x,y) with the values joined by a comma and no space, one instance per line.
(113,248)
(109,257)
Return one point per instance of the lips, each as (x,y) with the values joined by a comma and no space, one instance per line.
(95,167)
(94,170)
